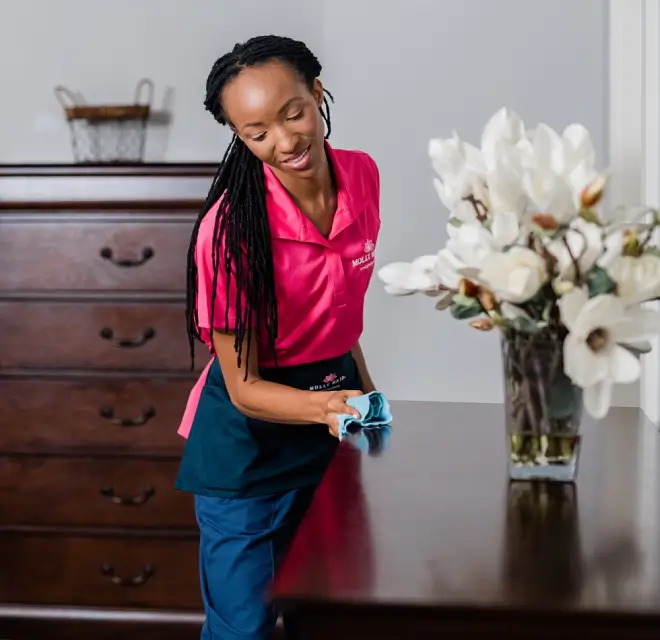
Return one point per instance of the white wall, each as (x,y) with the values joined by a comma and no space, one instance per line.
(401,72)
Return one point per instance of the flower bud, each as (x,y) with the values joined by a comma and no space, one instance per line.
(468,289)
(487,299)
(482,324)
(562,287)
(631,243)
(546,221)
(592,194)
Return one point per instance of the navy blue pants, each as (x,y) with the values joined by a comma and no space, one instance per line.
(242,542)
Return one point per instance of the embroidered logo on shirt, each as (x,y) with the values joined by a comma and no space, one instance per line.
(366,261)
(331,382)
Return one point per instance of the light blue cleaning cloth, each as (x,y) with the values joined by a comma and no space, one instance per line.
(374,409)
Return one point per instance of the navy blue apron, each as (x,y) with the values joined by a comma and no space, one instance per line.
(230,455)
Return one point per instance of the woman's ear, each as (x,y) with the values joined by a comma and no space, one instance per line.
(317,91)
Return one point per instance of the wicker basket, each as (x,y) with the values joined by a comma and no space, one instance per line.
(108,134)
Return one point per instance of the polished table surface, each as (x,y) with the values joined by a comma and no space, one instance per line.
(429,535)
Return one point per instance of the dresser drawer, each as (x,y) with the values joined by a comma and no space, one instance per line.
(105,252)
(93,414)
(99,571)
(96,335)
(42,490)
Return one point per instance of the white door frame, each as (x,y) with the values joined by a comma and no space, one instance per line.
(634,102)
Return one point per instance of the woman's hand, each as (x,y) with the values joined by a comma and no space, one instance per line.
(334,403)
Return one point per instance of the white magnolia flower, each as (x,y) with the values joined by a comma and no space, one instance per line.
(461,173)
(585,246)
(491,175)
(503,132)
(516,275)
(426,274)
(593,356)
(637,278)
(472,244)
(561,167)
(406,278)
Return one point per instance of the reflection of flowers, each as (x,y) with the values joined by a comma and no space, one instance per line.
(545,560)
(543,552)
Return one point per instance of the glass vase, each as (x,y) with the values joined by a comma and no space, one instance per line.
(543,408)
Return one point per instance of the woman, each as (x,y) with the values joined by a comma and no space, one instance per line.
(278,267)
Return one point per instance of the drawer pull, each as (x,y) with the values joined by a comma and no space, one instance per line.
(147,254)
(148,413)
(143,577)
(148,492)
(147,334)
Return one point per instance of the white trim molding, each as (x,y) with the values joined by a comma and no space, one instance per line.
(634,145)
(650,383)
(634,57)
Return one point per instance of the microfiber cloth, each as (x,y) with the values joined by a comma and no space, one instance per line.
(374,409)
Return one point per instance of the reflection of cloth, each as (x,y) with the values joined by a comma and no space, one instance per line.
(374,410)
(242,541)
(372,441)
(332,551)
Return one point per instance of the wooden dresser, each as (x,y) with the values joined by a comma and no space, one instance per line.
(94,375)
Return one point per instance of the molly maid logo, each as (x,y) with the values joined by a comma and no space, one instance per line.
(330,382)
(367,260)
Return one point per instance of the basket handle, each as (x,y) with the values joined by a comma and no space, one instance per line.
(66,97)
(147,84)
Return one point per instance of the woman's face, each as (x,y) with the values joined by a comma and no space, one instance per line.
(276,115)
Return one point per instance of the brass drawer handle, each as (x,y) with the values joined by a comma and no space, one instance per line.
(143,577)
(148,333)
(148,413)
(148,492)
(147,253)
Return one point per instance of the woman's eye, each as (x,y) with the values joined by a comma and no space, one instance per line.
(296,116)
(260,138)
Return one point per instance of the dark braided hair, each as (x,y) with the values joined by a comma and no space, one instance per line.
(241,222)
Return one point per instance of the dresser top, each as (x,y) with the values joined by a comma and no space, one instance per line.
(433,522)
(142,169)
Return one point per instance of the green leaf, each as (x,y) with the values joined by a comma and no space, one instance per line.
(463,307)
(524,325)
(599,282)
(562,398)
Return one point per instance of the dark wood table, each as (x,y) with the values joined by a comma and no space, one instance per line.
(429,539)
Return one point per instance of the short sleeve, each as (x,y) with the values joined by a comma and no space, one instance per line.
(373,180)
(224,315)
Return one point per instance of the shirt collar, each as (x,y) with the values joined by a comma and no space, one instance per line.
(288,222)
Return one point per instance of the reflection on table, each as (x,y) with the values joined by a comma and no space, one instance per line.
(430,537)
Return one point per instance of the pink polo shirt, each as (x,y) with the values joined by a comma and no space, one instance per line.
(320,284)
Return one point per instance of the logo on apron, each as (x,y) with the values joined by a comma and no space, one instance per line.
(331,382)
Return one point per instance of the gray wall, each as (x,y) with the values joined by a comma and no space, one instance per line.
(437,66)
(104,48)
(401,71)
